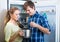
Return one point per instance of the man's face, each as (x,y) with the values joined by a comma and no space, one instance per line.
(30,10)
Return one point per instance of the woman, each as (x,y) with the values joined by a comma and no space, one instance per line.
(13,32)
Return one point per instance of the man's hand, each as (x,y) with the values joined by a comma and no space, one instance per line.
(33,24)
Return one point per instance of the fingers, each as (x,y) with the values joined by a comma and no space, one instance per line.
(21,33)
(33,24)
(47,30)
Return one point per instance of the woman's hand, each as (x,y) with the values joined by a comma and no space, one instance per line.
(21,33)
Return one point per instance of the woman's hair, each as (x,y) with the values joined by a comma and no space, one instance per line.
(10,11)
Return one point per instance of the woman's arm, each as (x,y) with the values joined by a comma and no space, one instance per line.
(12,38)
(18,33)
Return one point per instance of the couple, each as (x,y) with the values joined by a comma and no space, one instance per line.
(36,23)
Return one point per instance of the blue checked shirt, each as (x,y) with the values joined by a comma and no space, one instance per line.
(36,34)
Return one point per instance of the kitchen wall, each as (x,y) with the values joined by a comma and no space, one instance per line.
(3,7)
(58,12)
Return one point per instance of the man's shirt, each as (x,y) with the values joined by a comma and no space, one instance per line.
(36,34)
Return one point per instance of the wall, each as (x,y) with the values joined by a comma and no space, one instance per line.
(58,12)
(3,7)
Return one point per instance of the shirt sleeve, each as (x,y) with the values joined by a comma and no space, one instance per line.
(44,22)
(7,31)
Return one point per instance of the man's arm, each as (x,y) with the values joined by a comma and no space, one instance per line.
(44,30)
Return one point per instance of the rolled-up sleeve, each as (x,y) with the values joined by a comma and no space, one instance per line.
(45,22)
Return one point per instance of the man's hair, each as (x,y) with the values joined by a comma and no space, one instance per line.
(29,3)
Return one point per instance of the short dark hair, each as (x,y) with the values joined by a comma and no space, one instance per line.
(29,3)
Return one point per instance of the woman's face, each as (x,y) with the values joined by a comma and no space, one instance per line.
(15,16)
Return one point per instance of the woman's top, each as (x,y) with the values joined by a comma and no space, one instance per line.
(10,30)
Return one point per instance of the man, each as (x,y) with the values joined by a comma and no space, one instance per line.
(37,24)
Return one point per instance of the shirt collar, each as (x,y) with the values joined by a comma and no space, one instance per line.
(36,13)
